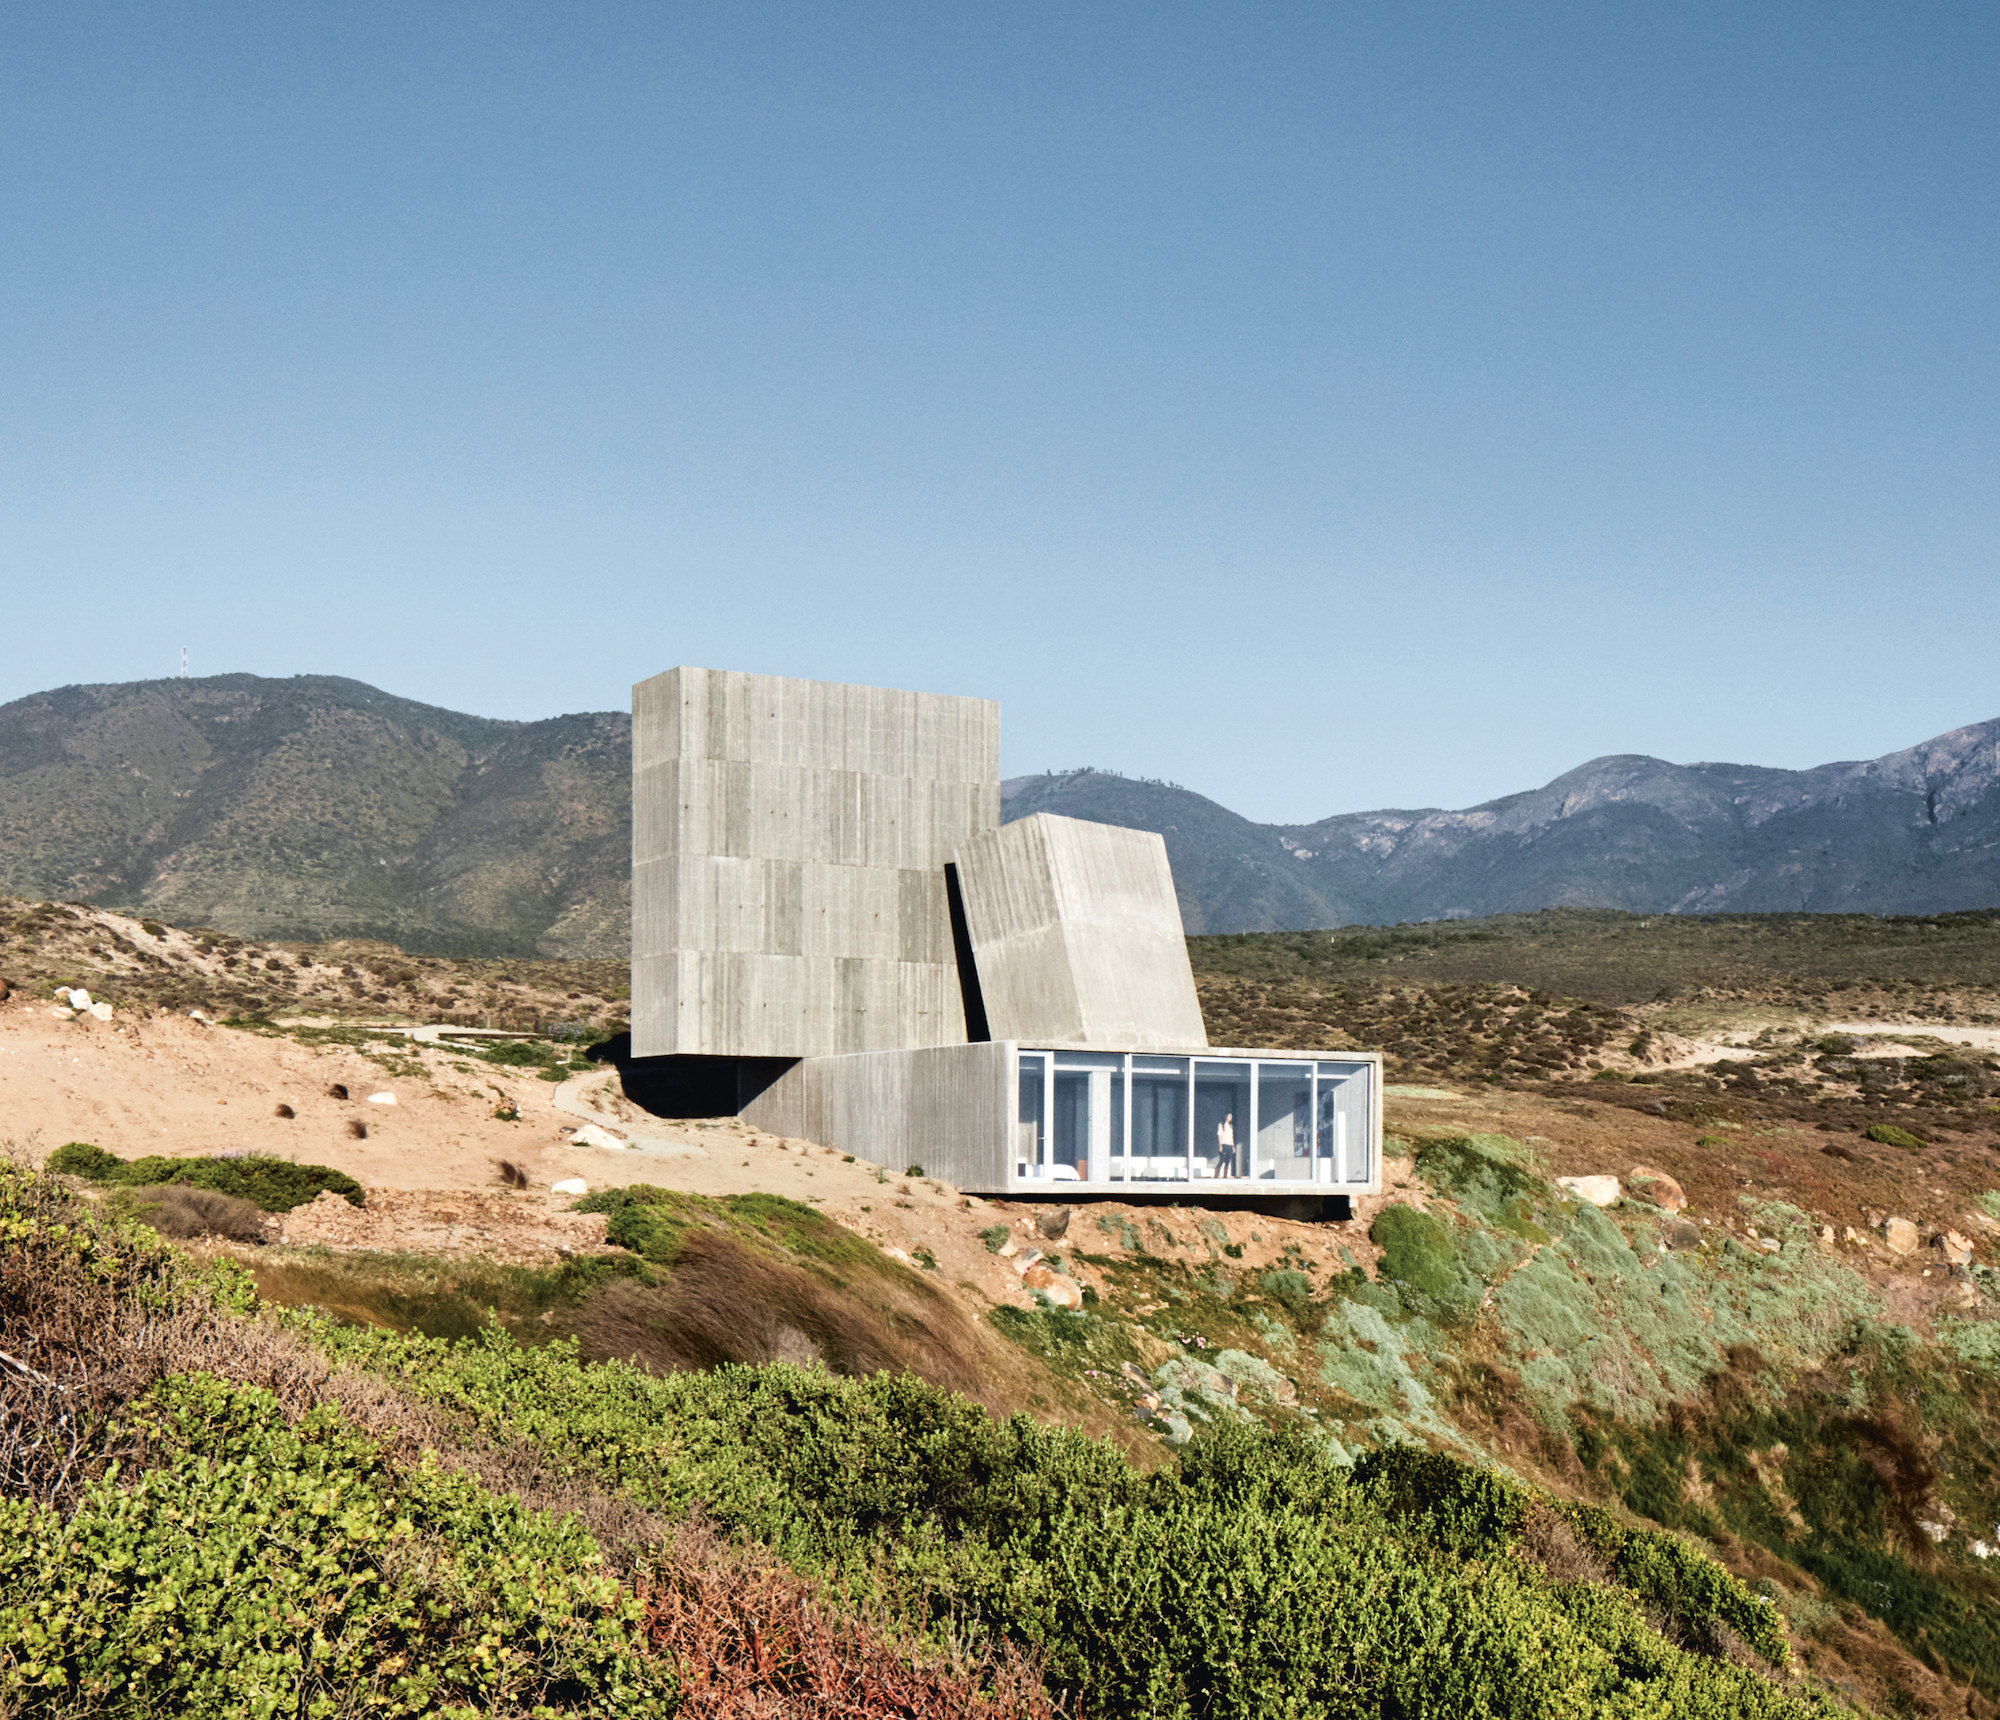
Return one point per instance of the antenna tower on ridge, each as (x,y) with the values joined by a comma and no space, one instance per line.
(184,662)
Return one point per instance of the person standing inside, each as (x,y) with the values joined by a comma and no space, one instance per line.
(1225,1145)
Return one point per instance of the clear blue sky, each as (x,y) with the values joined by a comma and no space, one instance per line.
(1322,405)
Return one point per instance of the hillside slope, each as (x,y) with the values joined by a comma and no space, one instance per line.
(319,807)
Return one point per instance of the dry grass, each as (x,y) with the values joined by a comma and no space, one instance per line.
(186,1213)
(755,1641)
(726,1302)
(1547,1538)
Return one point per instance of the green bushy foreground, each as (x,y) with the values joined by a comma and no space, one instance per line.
(259,1568)
(191,1542)
(274,1184)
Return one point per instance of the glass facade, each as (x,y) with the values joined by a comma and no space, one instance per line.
(1108,1119)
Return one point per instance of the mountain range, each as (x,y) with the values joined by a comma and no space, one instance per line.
(320,807)
(1913,832)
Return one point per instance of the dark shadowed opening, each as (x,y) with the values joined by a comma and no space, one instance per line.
(690,1086)
(968,970)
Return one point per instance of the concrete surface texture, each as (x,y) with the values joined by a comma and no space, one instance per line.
(945,1108)
(1077,937)
(789,840)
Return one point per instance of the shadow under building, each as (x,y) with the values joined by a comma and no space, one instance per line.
(835,937)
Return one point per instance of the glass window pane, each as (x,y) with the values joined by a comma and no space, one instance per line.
(1028,1117)
(1343,1124)
(1284,1122)
(1070,1135)
(1221,1119)
(1159,1119)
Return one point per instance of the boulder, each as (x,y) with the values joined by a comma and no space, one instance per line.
(1599,1191)
(590,1135)
(570,1185)
(381,1098)
(1053,1222)
(101,1010)
(1957,1249)
(1679,1233)
(1901,1235)
(62,1014)
(78,998)
(1656,1188)
(1053,1287)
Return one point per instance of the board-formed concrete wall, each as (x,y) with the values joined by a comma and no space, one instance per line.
(946,1109)
(1077,937)
(788,848)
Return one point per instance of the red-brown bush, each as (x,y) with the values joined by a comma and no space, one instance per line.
(753,1640)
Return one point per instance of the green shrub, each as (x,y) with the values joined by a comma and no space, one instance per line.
(81,1159)
(1888,1135)
(266,1569)
(1464,1510)
(520,1054)
(1293,1288)
(995,1237)
(1419,1258)
(274,1184)
(1691,1588)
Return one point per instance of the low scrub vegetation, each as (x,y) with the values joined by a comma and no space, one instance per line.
(268,1183)
(274,1512)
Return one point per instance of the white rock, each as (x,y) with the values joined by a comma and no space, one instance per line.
(1599,1191)
(62,1014)
(590,1135)
(79,999)
(1957,1249)
(381,1098)
(101,1010)
(570,1185)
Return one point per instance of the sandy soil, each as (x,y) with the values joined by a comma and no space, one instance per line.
(1674,1051)
(1981,1038)
(164,1084)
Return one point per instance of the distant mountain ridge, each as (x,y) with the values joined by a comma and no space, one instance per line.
(1914,832)
(320,807)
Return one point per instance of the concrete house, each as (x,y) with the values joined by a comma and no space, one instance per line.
(834,936)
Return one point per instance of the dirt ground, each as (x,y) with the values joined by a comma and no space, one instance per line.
(156,1083)
(159,1083)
